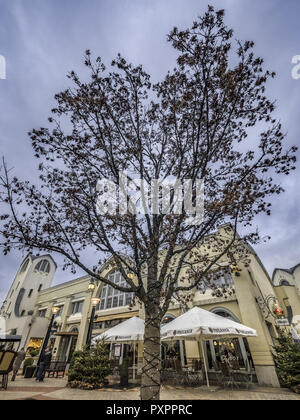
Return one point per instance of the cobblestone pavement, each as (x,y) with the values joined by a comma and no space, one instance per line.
(55,389)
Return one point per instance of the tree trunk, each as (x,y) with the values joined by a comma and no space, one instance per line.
(150,386)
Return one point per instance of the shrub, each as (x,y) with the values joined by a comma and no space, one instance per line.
(287,361)
(90,368)
(28,362)
(33,352)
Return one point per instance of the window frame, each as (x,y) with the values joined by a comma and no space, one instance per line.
(42,313)
(111,298)
(77,307)
(43,266)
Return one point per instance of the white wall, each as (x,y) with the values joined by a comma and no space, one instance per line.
(28,280)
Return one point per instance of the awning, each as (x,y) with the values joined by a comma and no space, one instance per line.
(6,338)
(128,331)
(66,334)
(198,324)
(124,315)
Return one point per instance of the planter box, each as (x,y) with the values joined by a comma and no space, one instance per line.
(123,380)
(29,371)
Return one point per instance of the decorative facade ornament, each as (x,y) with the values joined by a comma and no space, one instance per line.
(269,306)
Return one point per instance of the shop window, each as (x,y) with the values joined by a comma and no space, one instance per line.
(174,350)
(34,345)
(229,350)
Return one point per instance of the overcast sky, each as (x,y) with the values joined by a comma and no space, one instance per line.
(42,40)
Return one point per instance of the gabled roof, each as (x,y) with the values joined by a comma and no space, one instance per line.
(34,257)
(287,270)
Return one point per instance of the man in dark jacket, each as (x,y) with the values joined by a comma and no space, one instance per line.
(44,363)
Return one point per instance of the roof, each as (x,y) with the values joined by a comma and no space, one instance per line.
(34,257)
(65,284)
(287,270)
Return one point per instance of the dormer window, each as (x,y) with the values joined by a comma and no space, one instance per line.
(43,266)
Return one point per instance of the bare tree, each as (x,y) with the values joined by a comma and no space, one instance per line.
(195,124)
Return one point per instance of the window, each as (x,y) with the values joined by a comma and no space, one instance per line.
(113,298)
(251,277)
(284,283)
(12,293)
(60,311)
(77,307)
(23,313)
(219,279)
(30,292)
(42,313)
(40,287)
(219,350)
(43,266)
(24,266)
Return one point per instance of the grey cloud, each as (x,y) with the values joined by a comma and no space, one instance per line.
(42,40)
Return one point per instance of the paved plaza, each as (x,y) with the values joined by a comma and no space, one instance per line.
(55,389)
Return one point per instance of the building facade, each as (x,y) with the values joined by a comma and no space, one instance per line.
(254,301)
(35,274)
(287,288)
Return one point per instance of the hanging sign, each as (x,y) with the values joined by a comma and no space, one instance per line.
(117,350)
(283,322)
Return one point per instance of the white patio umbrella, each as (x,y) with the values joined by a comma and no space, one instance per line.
(201,325)
(131,330)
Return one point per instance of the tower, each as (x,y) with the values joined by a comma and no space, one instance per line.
(34,274)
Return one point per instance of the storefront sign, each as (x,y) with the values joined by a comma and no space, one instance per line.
(282,322)
(117,350)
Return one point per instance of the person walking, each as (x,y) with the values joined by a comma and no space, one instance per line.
(18,361)
(44,363)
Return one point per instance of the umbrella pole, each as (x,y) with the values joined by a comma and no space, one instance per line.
(134,360)
(205,365)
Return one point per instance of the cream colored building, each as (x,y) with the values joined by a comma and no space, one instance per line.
(287,289)
(253,303)
(34,275)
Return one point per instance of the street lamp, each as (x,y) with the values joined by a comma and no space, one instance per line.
(94,302)
(54,311)
(91,286)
